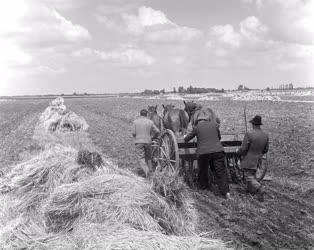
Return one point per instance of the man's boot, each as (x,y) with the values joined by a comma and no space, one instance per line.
(260,195)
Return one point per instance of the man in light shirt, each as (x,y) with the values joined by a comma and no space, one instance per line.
(143,128)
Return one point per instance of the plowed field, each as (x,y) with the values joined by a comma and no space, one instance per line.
(284,221)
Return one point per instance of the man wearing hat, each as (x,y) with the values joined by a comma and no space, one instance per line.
(210,152)
(254,145)
(143,128)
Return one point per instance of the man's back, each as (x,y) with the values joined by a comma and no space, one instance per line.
(254,145)
(259,141)
(208,140)
(142,128)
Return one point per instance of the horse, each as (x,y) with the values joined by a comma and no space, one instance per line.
(175,119)
(153,115)
(196,112)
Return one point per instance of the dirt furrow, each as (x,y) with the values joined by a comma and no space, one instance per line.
(268,225)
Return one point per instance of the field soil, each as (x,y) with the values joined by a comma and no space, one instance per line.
(284,221)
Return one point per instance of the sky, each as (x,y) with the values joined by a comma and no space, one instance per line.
(110,46)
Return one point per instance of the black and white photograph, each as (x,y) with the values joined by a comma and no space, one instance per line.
(156,124)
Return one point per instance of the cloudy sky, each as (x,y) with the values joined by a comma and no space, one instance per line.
(98,46)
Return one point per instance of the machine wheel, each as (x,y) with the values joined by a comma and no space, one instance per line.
(261,168)
(168,151)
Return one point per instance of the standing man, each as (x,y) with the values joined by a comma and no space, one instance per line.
(143,128)
(254,145)
(210,152)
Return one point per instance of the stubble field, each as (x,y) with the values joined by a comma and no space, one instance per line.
(284,220)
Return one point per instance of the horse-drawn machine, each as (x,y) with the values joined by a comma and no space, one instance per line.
(170,151)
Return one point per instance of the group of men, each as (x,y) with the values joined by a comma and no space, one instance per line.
(210,152)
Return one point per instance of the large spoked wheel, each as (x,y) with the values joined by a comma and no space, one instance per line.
(168,151)
(261,168)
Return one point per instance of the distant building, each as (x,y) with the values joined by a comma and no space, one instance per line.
(286,86)
(290,86)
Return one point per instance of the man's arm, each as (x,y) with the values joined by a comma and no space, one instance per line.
(155,130)
(266,146)
(190,135)
(218,131)
(245,145)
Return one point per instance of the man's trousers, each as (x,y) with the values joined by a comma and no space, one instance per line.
(216,161)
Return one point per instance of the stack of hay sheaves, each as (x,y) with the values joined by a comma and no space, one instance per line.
(67,198)
(56,117)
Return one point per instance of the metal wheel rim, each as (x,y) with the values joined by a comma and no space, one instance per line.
(261,169)
(168,151)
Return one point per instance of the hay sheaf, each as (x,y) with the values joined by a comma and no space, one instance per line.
(169,183)
(117,236)
(109,197)
(24,233)
(34,180)
(7,209)
(69,122)
(57,118)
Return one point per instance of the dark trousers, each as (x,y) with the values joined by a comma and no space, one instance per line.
(216,161)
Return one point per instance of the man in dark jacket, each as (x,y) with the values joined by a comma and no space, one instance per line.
(210,152)
(143,128)
(254,145)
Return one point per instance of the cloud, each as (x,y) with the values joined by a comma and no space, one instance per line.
(251,35)
(12,54)
(174,34)
(224,34)
(154,26)
(32,23)
(27,28)
(147,17)
(124,56)
(251,44)
(44,70)
(289,21)
(65,5)
(253,28)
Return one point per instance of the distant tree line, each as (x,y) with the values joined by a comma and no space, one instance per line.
(153,92)
(196,90)
(76,94)
(182,90)
(286,86)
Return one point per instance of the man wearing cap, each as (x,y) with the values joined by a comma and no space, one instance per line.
(210,152)
(254,145)
(143,128)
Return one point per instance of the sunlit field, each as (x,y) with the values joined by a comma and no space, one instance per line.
(284,220)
